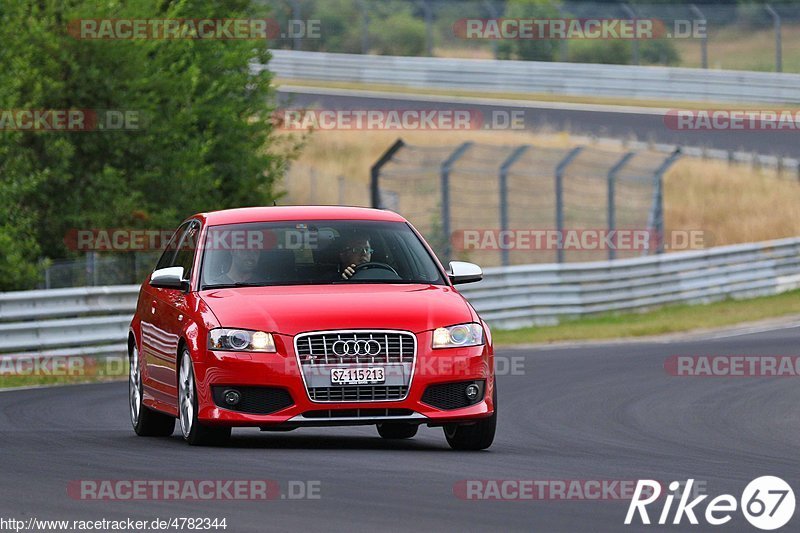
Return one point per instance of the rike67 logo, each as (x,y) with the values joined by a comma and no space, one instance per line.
(767,503)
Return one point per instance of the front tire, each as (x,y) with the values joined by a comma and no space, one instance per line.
(145,421)
(397,430)
(477,436)
(193,431)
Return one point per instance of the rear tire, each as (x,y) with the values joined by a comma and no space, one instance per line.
(397,430)
(145,421)
(193,431)
(477,436)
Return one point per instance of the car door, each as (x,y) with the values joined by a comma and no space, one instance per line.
(160,329)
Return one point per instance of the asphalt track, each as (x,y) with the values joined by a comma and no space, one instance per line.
(643,124)
(600,412)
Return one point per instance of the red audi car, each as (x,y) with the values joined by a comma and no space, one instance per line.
(288,317)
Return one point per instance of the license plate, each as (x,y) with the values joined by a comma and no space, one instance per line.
(357,376)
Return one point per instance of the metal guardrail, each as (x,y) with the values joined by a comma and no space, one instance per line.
(574,79)
(78,321)
(517,296)
(94,320)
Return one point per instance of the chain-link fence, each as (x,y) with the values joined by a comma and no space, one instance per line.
(743,36)
(95,269)
(504,205)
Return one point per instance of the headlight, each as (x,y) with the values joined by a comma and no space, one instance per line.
(458,336)
(240,340)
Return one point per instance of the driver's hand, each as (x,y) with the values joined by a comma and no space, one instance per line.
(349,271)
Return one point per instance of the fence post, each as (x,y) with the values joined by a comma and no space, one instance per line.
(657,211)
(612,200)
(563,52)
(364,26)
(46,276)
(560,168)
(492,9)
(341,200)
(446,167)
(297,44)
(776,19)
(426,8)
(635,44)
(375,172)
(504,168)
(703,40)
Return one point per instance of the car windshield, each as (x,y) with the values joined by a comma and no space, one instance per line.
(315,252)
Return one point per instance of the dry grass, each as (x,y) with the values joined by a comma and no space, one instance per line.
(735,48)
(334,166)
(729,203)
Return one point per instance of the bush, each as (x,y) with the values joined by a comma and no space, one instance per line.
(658,52)
(399,34)
(610,51)
(529,49)
(620,52)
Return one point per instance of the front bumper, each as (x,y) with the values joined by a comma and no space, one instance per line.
(281,370)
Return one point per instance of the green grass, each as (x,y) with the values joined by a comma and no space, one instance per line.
(97,374)
(669,319)
(533,97)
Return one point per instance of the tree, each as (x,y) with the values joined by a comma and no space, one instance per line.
(204,139)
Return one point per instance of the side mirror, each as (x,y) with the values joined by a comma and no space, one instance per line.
(463,272)
(169,278)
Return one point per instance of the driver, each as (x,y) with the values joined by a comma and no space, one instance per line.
(355,251)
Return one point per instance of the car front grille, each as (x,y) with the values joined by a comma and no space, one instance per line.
(356,347)
(322,351)
(357,393)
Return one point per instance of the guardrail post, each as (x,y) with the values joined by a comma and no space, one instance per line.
(446,167)
(703,40)
(657,211)
(612,198)
(375,172)
(560,168)
(503,176)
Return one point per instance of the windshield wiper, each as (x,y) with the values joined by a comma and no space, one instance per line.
(234,285)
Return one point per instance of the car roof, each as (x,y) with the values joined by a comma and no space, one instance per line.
(305,212)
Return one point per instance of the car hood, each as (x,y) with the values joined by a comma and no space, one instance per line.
(290,310)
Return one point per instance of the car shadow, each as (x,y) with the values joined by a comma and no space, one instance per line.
(270,440)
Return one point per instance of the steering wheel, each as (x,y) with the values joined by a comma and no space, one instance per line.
(375,264)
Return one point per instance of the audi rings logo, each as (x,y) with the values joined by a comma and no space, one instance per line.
(356,347)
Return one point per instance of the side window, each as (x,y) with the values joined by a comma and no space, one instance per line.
(172,247)
(185,256)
